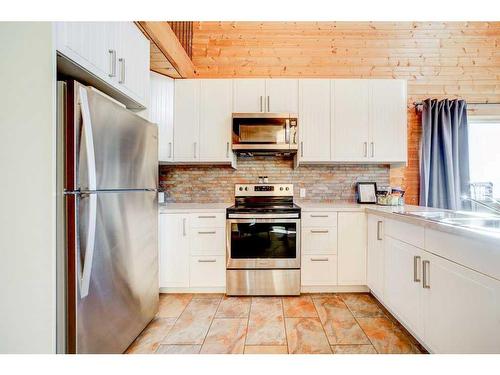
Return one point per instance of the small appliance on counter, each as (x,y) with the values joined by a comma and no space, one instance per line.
(391,197)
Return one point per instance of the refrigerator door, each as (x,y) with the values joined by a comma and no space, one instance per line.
(116,149)
(116,268)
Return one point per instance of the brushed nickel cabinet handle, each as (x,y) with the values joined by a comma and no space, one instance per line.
(379,225)
(112,63)
(227,149)
(319,215)
(268,104)
(184,227)
(302,148)
(416,261)
(365,149)
(426,272)
(207,232)
(373,149)
(261,104)
(319,259)
(207,260)
(122,70)
(207,217)
(319,231)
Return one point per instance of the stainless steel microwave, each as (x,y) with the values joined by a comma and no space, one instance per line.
(265,132)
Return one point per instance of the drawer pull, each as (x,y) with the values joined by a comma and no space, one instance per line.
(319,259)
(207,217)
(319,231)
(379,235)
(319,215)
(207,232)
(207,260)
(416,261)
(426,271)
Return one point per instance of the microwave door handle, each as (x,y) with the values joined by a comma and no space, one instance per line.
(287,131)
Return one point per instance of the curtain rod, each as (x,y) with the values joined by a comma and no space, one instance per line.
(416,104)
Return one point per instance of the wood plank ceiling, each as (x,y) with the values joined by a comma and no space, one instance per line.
(439,59)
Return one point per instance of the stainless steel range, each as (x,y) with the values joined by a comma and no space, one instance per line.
(263,241)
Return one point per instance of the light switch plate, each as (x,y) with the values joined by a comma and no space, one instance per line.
(302,193)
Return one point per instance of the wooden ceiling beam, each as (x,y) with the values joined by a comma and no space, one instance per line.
(161,34)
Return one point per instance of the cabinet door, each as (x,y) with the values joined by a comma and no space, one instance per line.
(87,44)
(318,270)
(133,61)
(461,309)
(401,292)
(249,95)
(186,120)
(314,120)
(216,103)
(282,95)
(161,112)
(351,248)
(388,120)
(350,122)
(174,250)
(375,255)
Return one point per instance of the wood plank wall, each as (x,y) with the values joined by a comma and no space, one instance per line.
(439,59)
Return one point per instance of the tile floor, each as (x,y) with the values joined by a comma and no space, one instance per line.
(326,323)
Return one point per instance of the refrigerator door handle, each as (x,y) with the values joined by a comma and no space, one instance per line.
(89,139)
(86,269)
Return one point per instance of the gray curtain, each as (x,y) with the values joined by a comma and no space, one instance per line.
(444,154)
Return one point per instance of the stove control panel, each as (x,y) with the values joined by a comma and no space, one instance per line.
(263,190)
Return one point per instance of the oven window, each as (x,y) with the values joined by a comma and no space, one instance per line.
(263,240)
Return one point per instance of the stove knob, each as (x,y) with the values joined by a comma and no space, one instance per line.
(246,188)
(281,188)
(287,188)
(241,188)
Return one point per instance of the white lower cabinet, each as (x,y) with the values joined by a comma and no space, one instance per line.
(375,255)
(207,271)
(174,250)
(192,251)
(461,309)
(351,248)
(319,270)
(402,289)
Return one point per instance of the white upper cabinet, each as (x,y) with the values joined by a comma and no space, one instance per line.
(350,120)
(161,112)
(265,95)
(388,120)
(186,120)
(117,53)
(216,103)
(249,95)
(314,120)
(281,95)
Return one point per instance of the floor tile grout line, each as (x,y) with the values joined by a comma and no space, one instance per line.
(284,325)
(248,324)
(210,326)
(322,326)
(175,322)
(357,322)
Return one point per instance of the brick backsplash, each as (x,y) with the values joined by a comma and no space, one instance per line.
(215,183)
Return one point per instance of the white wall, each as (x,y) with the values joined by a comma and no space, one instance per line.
(27,188)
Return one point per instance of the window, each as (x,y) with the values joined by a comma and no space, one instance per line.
(484,156)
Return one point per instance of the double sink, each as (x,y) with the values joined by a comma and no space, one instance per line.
(462,219)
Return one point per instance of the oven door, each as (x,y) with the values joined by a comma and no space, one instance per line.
(263,243)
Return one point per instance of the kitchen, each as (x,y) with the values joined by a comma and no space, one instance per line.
(227,187)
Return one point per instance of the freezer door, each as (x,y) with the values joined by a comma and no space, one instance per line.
(117,149)
(116,269)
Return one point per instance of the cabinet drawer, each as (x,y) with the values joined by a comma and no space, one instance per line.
(208,241)
(319,240)
(207,271)
(205,220)
(409,233)
(319,270)
(319,219)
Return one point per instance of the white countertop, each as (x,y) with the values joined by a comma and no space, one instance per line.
(193,207)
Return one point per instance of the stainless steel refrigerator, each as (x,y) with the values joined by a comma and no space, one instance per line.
(107,216)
